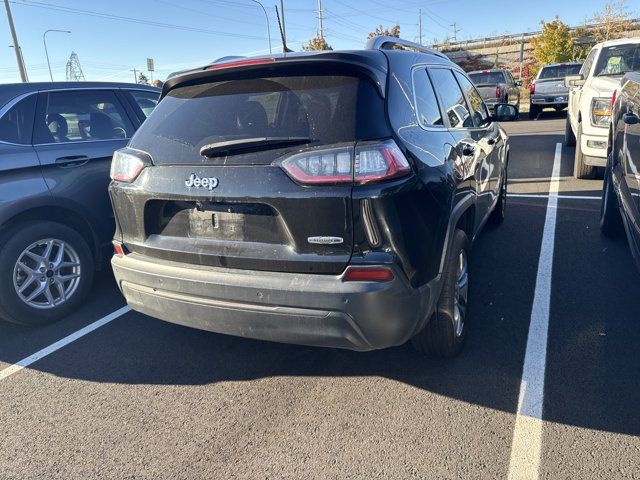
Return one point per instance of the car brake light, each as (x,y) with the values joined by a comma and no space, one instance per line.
(532,88)
(118,250)
(613,99)
(369,162)
(498,92)
(127,164)
(241,63)
(367,274)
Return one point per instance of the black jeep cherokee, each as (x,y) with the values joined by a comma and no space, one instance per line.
(321,198)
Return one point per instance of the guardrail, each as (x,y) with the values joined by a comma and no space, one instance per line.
(510,38)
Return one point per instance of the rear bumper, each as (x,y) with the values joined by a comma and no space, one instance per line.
(304,309)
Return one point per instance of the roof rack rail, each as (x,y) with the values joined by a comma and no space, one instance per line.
(384,42)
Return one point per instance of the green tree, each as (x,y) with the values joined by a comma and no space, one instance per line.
(142,78)
(387,32)
(554,44)
(317,43)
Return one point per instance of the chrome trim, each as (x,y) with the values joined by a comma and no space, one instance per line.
(9,105)
(74,142)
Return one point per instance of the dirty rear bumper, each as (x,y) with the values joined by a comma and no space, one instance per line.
(308,309)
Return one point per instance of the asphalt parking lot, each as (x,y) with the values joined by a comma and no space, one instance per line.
(140,398)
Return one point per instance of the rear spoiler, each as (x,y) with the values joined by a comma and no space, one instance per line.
(373,67)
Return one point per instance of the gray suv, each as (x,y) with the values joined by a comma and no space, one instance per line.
(56,222)
(497,87)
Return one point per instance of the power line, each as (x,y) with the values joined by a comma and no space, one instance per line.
(77,11)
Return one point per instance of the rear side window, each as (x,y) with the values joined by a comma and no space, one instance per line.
(16,125)
(452,99)
(147,101)
(325,109)
(427,109)
(81,115)
(479,113)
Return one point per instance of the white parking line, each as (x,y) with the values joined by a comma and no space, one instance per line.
(25,362)
(563,197)
(526,446)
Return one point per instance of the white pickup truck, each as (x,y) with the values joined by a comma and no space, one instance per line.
(590,94)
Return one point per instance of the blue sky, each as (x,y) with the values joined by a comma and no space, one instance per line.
(188,33)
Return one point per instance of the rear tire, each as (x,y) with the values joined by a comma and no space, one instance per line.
(569,137)
(63,276)
(443,336)
(580,169)
(610,216)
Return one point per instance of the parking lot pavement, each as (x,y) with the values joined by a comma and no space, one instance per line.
(139,398)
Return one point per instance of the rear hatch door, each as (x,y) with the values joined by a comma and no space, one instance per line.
(216,194)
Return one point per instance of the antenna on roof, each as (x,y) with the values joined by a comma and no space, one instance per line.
(285,49)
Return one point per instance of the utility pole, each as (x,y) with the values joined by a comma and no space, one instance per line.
(16,45)
(455,31)
(46,52)
(420,24)
(135,75)
(320,29)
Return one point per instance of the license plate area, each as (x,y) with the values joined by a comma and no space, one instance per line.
(215,224)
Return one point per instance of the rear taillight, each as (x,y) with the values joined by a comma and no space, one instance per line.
(367,274)
(532,88)
(613,98)
(241,63)
(498,92)
(127,164)
(368,162)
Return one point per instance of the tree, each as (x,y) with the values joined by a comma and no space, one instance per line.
(612,22)
(142,78)
(554,44)
(390,32)
(582,43)
(317,43)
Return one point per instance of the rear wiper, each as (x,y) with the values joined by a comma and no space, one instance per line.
(218,149)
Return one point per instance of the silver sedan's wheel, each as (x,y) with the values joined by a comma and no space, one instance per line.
(47,273)
(461,293)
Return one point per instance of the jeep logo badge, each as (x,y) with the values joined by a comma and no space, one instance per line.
(197,182)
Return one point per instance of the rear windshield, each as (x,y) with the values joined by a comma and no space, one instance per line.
(481,78)
(559,71)
(618,60)
(325,109)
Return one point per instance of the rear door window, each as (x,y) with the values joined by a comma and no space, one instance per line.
(16,125)
(427,109)
(80,115)
(321,108)
(452,98)
(479,113)
(147,101)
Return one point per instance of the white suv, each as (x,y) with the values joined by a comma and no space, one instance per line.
(590,95)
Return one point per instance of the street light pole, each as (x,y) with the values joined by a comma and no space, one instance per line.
(16,45)
(266,16)
(44,40)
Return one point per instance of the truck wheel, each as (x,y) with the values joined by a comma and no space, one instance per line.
(580,169)
(534,111)
(443,336)
(498,214)
(569,137)
(46,271)
(610,216)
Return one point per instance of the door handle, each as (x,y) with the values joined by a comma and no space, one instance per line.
(468,150)
(630,119)
(491,141)
(72,161)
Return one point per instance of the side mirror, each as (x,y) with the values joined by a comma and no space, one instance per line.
(505,112)
(573,81)
(519,83)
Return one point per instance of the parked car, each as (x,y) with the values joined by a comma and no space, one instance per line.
(548,88)
(56,222)
(496,87)
(590,95)
(323,208)
(620,208)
